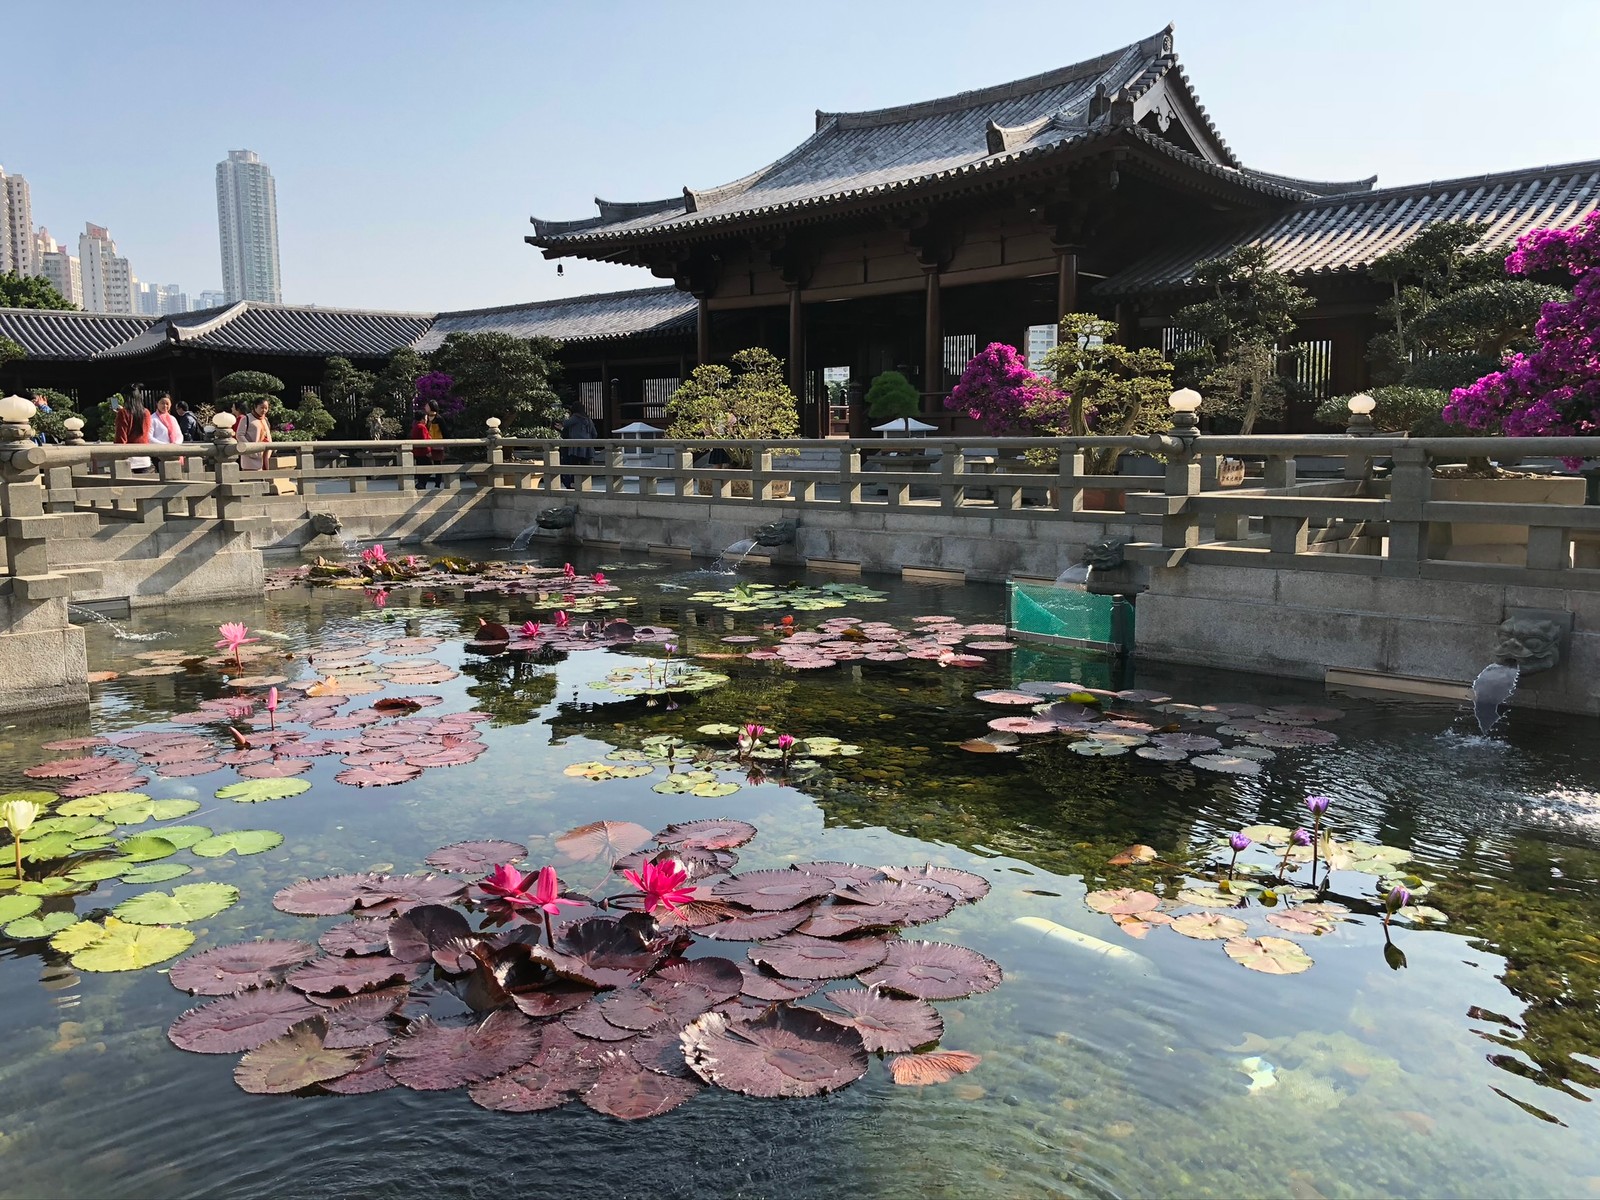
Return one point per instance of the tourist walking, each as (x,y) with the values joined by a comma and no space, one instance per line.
(428,429)
(133,429)
(253,428)
(576,428)
(165,429)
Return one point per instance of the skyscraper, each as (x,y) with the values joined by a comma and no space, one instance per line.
(16,226)
(58,265)
(247,223)
(107,279)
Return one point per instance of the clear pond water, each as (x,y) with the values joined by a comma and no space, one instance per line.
(1168,1071)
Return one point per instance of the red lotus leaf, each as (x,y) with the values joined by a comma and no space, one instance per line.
(77,743)
(179,752)
(554,1076)
(885,1023)
(661,1053)
(351,720)
(373,758)
(363,935)
(722,834)
(1122,902)
(243,758)
(243,1022)
(805,957)
(602,839)
(335,975)
(189,768)
(772,890)
(390,704)
(475,857)
(369,1077)
(325,897)
(379,775)
(720,977)
(755,927)
(784,1052)
(628,1092)
(433,1055)
(840,872)
(228,970)
(122,780)
(963,885)
(919,1070)
(589,1022)
(933,971)
(654,1005)
(298,1059)
(758,985)
(70,768)
(278,768)
(362,1021)
(551,1000)
(446,756)
(433,933)
(391,739)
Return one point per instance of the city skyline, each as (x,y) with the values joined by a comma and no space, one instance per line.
(431,137)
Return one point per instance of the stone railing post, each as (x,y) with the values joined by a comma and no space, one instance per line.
(849,476)
(1071,463)
(761,475)
(683,463)
(616,463)
(493,452)
(1410,486)
(952,479)
(407,461)
(1180,524)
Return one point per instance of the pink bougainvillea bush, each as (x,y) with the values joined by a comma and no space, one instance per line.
(998,390)
(1554,390)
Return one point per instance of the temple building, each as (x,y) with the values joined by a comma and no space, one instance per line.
(910,237)
(901,238)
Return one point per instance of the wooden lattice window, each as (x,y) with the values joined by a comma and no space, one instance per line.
(959,350)
(1313,367)
(656,394)
(593,396)
(1174,341)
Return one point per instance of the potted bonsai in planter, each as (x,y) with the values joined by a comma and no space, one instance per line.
(749,401)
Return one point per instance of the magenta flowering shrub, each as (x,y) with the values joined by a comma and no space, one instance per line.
(999,390)
(1554,390)
(440,388)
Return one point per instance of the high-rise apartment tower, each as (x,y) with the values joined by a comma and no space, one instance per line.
(247,223)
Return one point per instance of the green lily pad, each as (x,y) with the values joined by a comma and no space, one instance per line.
(186,902)
(93,872)
(714,789)
(240,841)
(146,847)
(600,772)
(14,907)
(100,803)
(1207,897)
(254,791)
(118,946)
(156,873)
(56,885)
(184,836)
(95,842)
(40,798)
(29,928)
(628,756)
(684,782)
(49,847)
(719,730)
(1421,914)
(161,810)
(77,826)
(1267,835)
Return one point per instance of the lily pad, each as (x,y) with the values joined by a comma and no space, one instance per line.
(184,836)
(786,1052)
(186,902)
(145,810)
(236,1023)
(146,847)
(240,841)
(298,1059)
(155,873)
(1208,927)
(43,926)
(724,834)
(886,1024)
(933,971)
(118,946)
(473,857)
(941,1066)
(1118,902)
(1269,955)
(610,840)
(255,791)
(228,970)
(13,908)
(433,1055)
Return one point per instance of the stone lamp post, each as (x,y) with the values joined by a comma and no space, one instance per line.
(74,428)
(1185,406)
(1361,424)
(16,415)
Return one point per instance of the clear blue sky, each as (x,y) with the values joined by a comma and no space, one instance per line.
(411,141)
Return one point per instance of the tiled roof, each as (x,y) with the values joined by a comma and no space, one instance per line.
(249,328)
(52,334)
(852,155)
(657,311)
(1341,234)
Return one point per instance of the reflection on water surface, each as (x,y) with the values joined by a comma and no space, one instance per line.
(1167,1070)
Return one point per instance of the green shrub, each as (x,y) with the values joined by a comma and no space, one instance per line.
(893,396)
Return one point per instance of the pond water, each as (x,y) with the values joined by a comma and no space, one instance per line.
(1167,1069)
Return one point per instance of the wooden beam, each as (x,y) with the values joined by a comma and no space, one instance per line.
(1066,281)
(797,362)
(702,331)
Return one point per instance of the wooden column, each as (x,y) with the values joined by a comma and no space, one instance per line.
(702,332)
(809,425)
(1066,280)
(932,345)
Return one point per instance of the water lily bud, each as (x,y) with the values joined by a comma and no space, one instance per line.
(19,815)
(1397,898)
(1238,841)
(1301,837)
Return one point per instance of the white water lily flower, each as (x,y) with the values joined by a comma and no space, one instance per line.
(19,815)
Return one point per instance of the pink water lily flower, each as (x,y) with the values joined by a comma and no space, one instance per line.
(600,578)
(374,555)
(542,892)
(234,634)
(662,884)
(272,708)
(785,742)
(562,620)
(569,571)
(530,629)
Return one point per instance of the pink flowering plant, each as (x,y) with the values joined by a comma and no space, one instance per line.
(1552,390)
(999,391)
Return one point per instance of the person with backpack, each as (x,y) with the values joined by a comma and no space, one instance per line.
(577,428)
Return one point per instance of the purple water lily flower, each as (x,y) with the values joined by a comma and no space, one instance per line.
(1238,841)
(1317,805)
(1301,837)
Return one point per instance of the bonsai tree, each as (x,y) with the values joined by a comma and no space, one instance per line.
(747,400)
(10,351)
(1553,389)
(1251,309)
(309,423)
(50,423)
(250,388)
(1101,387)
(998,390)
(346,389)
(891,397)
(394,388)
(497,375)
